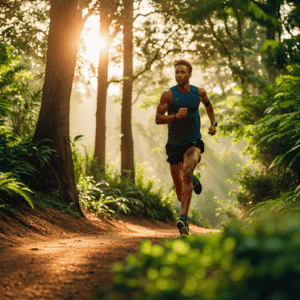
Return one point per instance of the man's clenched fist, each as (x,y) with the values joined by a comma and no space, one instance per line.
(181,113)
(212,130)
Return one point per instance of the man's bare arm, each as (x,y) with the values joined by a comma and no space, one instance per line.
(206,102)
(162,108)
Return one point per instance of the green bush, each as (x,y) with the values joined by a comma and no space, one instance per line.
(261,262)
(22,158)
(106,197)
(256,186)
(285,113)
(19,101)
(109,192)
(270,124)
(285,205)
(20,164)
(11,187)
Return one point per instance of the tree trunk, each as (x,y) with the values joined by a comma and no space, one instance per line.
(66,24)
(127,156)
(100,138)
(243,74)
(272,70)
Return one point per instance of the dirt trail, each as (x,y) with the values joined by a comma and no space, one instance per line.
(50,255)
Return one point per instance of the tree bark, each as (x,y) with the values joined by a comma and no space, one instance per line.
(100,138)
(127,156)
(272,70)
(66,24)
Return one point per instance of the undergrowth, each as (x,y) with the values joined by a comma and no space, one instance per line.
(103,190)
(53,200)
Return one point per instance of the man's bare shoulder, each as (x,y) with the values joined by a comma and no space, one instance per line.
(201,92)
(203,97)
(166,96)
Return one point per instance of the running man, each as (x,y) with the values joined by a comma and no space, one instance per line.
(184,145)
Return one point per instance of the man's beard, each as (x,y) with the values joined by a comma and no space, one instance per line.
(182,83)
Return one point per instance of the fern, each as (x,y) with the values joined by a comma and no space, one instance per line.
(11,185)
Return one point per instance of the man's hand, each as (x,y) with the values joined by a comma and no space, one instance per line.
(212,130)
(181,113)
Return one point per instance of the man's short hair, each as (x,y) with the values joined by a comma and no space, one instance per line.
(185,63)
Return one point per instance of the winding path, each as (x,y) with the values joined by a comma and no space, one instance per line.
(72,266)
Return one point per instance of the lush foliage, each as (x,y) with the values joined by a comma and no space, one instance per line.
(270,124)
(17,157)
(19,102)
(256,186)
(18,161)
(285,113)
(260,262)
(52,199)
(24,24)
(109,192)
(285,205)
(282,54)
(10,186)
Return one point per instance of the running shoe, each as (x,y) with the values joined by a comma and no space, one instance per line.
(198,186)
(183,228)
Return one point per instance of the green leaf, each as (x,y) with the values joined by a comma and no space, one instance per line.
(269,109)
(272,120)
(108,201)
(273,138)
(286,104)
(294,148)
(78,137)
(265,137)
(294,158)
(268,46)
(277,160)
(157,149)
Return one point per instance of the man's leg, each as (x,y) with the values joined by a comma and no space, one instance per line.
(190,161)
(177,174)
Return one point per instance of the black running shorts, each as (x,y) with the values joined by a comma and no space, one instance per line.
(175,153)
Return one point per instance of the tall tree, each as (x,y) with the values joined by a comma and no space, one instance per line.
(66,24)
(147,48)
(108,17)
(127,156)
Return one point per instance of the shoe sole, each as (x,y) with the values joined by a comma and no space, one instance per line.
(198,188)
(182,229)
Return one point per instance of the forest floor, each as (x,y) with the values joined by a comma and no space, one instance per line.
(47,254)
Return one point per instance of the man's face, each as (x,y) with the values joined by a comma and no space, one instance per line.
(182,75)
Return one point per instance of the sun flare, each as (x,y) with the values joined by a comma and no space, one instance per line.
(94,40)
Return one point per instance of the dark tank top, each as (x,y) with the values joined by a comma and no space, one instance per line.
(185,130)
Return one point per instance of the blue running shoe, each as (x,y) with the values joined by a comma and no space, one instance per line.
(198,187)
(183,228)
